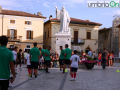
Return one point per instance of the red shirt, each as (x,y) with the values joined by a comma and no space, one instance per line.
(99,56)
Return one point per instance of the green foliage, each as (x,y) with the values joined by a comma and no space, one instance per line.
(90,58)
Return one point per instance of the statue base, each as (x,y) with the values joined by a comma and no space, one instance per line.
(62,38)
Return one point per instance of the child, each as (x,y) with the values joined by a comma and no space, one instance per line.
(40,63)
(74,65)
(28,63)
(99,57)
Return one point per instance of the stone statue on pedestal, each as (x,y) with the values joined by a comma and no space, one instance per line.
(64,18)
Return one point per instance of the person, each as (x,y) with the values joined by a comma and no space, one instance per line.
(25,54)
(90,53)
(113,56)
(19,57)
(40,63)
(61,58)
(43,55)
(28,63)
(99,58)
(55,59)
(47,58)
(107,60)
(75,59)
(34,58)
(51,62)
(6,64)
(104,57)
(110,59)
(67,55)
(15,56)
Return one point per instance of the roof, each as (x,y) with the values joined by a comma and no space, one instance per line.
(103,29)
(19,13)
(76,21)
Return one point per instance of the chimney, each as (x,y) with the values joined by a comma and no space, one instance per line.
(0,9)
(50,17)
(39,13)
(87,20)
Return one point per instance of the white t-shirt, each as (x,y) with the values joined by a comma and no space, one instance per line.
(14,55)
(41,59)
(28,59)
(74,59)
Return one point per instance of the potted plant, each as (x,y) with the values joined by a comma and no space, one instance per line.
(89,62)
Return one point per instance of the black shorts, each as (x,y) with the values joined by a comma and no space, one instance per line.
(61,62)
(19,62)
(47,62)
(4,84)
(67,62)
(74,69)
(14,62)
(34,65)
(29,66)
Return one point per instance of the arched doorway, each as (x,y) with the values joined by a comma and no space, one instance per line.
(87,49)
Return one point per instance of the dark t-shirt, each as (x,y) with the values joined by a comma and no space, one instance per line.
(19,56)
(104,54)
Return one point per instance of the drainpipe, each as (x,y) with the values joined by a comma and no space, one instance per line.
(2,23)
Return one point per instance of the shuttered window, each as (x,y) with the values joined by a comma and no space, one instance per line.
(12,21)
(28,22)
(76,36)
(88,35)
(48,33)
(29,34)
(12,34)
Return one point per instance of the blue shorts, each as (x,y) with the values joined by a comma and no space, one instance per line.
(99,60)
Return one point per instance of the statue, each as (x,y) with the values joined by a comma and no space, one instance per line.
(64,18)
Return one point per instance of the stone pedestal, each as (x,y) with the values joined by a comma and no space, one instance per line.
(62,38)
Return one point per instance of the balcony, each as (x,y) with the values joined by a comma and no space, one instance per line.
(79,42)
(14,39)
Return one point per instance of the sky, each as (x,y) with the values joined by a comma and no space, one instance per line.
(76,9)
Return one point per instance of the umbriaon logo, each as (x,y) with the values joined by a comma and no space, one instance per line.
(103,4)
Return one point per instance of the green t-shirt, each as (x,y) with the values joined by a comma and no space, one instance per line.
(6,56)
(47,52)
(43,52)
(34,52)
(62,54)
(68,53)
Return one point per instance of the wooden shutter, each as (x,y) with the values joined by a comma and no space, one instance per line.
(88,35)
(12,21)
(31,34)
(76,36)
(48,33)
(27,37)
(15,35)
(25,22)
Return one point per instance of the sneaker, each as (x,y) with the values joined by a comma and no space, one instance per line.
(72,79)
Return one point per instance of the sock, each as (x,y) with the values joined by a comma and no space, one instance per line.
(35,76)
(74,75)
(29,71)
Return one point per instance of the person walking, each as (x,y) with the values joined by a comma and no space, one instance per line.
(6,64)
(28,63)
(61,58)
(67,55)
(19,57)
(104,57)
(47,58)
(75,59)
(34,59)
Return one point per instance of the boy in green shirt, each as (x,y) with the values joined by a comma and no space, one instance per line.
(34,57)
(47,58)
(68,53)
(61,57)
(6,63)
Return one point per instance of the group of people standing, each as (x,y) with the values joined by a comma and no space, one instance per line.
(10,59)
(109,56)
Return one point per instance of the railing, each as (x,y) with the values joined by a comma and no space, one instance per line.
(14,39)
(80,41)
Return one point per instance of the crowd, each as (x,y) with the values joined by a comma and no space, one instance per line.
(42,59)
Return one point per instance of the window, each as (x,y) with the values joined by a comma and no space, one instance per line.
(12,21)
(29,34)
(12,34)
(28,22)
(88,35)
(76,36)
(11,46)
(28,46)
